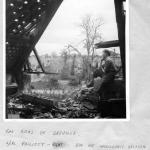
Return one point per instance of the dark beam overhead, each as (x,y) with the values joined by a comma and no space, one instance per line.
(107,44)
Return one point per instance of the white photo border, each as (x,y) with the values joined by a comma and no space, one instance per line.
(69,120)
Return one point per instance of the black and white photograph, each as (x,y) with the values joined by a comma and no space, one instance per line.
(65,59)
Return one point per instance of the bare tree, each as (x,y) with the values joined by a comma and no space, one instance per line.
(72,48)
(73,64)
(91,30)
(65,54)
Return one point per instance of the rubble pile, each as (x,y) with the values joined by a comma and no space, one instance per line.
(81,103)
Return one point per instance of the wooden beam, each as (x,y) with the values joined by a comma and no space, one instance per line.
(38,72)
(38,59)
(120,18)
(107,44)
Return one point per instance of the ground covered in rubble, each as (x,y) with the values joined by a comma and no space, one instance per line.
(81,103)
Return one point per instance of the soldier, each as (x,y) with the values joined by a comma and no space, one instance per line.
(109,70)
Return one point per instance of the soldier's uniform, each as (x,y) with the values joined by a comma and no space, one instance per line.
(108,74)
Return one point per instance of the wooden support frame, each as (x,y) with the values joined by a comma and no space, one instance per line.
(120,19)
(38,59)
(41,66)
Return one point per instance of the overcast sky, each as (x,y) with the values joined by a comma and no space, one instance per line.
(64,27)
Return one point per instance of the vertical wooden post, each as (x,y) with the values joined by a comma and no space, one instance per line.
(120,18)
